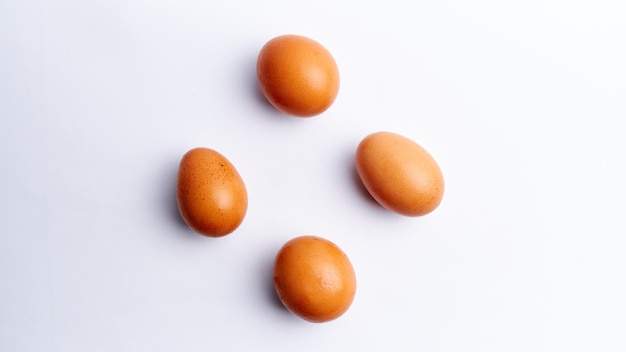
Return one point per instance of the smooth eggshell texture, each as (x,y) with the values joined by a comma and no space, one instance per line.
(210,193)
(314,278)
(297,75)
(399,174)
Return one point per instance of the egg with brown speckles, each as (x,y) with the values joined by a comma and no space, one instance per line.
(399,174)
(211,195)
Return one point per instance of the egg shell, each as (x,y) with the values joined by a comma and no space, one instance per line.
(399,174)
(314,278)
(211,195)
(297,75)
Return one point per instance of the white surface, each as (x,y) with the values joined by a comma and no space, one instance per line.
(521,103)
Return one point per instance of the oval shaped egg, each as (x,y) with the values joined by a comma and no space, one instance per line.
(399,174)
(297,75)
(211,196)
(314,278)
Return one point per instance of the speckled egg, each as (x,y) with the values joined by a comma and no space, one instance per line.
(211,195)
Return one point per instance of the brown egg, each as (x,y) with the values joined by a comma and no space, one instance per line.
(297,75)
(399,174)
(314,279)
(211,195)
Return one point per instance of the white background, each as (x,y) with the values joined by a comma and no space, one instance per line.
(522,103)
